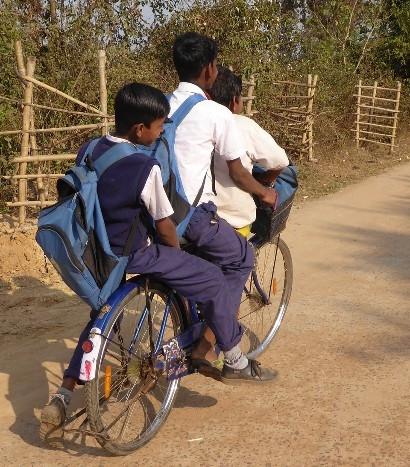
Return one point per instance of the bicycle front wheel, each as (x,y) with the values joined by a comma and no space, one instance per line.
(128,402)
(266,296)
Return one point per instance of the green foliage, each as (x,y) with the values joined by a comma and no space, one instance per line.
(276,39)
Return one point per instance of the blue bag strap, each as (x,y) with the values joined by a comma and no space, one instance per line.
(89,150)
(184,109)
(117,152)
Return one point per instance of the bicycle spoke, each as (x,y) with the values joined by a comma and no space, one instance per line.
(138,402)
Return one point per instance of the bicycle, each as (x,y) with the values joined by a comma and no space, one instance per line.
(139,347)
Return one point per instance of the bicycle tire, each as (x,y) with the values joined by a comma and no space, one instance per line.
(257,337)
(93,389)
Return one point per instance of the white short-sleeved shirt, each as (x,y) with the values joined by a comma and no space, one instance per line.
(234,205)
(153,195)
(208,126)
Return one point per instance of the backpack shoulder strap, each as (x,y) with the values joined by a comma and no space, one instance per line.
(89,150)
(117,152)
(184,109)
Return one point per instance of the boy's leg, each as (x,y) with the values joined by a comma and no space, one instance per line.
(195,279)
(54,413)
(219,243)
(204,283)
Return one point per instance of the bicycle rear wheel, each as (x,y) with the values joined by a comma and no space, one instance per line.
(270,281)
(126,402)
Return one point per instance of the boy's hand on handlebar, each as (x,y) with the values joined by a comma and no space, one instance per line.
(269,197)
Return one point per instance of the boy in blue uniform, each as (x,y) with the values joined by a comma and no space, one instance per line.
(133,187)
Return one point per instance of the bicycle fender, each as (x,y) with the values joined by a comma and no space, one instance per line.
(89,360)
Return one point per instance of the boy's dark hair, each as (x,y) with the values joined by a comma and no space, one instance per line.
(226,86)
(191,53)
(138,103)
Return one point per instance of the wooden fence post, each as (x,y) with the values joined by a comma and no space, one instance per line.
(250,96)
(25,140)
(311,95)
(103,89)
(359,94)
(34,153)
(396,116)
(374,95)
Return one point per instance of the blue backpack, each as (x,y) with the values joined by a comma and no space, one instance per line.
(72,232)
(164,153)
(286,184)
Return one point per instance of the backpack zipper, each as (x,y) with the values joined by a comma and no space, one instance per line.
(66,243)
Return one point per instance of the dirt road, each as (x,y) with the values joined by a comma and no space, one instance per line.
(343,354)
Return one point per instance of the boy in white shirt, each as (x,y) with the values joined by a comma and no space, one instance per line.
(210,127)
(235,205)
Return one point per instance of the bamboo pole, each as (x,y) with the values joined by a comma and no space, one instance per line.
(371,111)
(21,67)
(55,109)
(59,129)
(385,117)
(359,92)
(292,96)
(376,142)
(376,98)
(24,204)
(396,115)
(305,128)
(374,124)
(291,110)
(103,89)
(34,153)
(10,132)
(25,141)
(363,106)
(30,176)
(387,135)
(61,93)
(43,158)
(293,83)
(250,96)
(379,87)
(311,91)
(71,128)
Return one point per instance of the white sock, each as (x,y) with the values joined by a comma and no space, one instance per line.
(235,358)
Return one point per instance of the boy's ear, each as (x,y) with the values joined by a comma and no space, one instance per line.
(138,128)
(207,71)
(210,72)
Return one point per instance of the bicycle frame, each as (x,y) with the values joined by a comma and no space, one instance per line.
(185,340)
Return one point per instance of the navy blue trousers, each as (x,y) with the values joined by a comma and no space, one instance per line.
(214,276)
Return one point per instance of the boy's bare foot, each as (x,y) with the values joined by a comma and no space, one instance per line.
(52,419)
(203,357)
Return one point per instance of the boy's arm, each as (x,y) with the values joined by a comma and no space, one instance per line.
(158,206)
(167,232)
(261,146)
(230,145)
(244,180)
(267,177)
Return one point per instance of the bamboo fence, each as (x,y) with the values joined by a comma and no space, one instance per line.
(250,96)
(292,109)
(32,179)
(377,114)
(29,157)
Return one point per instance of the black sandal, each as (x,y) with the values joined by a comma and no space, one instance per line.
(205,367)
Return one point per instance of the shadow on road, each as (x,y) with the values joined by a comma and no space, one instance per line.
(40,330)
